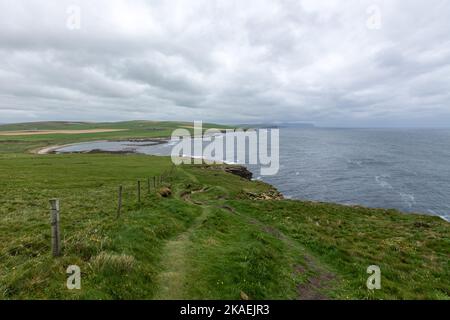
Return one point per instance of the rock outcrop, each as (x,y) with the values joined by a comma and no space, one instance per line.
(240,171)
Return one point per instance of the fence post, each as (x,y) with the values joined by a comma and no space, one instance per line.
(119,209)
(56,236)
(139,190)
(148,185)
(154,182)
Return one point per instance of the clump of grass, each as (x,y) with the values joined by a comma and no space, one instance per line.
(110,262)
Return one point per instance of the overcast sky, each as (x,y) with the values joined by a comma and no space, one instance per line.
(332,63)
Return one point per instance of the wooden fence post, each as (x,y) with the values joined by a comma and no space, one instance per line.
(139,190)
(148,185)
(119,209)
(56,235)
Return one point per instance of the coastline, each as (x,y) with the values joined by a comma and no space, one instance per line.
(162,140)
(50,149)
(53,148)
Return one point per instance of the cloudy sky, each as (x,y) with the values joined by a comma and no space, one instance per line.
(333,63)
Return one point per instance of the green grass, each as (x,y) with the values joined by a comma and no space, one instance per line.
(206,241)
(411,250)
(134,129)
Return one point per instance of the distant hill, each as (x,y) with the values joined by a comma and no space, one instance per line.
(80,125)
(296,125)
(279,125)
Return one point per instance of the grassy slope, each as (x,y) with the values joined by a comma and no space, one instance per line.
(206,241)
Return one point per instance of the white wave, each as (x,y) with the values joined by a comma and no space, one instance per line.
(355,162)
(381,181)
(434,213)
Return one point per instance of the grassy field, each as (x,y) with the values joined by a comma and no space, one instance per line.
(208,240)
(131,129)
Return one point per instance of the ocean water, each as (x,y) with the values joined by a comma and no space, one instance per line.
(405,169)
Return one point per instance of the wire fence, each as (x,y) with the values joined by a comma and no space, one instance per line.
(127,194)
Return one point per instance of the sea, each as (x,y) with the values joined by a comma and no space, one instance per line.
(404,169)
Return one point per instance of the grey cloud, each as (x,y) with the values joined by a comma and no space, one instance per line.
(226,61)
